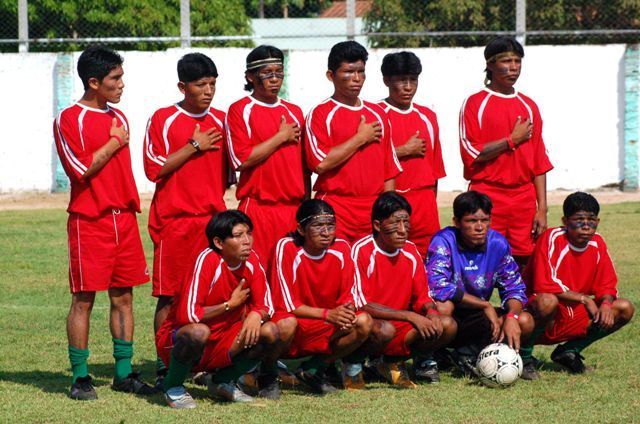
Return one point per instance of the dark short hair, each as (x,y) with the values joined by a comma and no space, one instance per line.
(386,205)
(580,201)
(221,225)
(346,51)
(306,210)
(96,62)
(259,53)
(193,66)
(501,44)
(470,202)
(401,63)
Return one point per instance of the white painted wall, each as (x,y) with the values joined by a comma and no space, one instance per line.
(580,91)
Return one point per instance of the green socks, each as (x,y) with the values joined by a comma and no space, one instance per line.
(579,345)
(240,366)
(526,349)
(177,373)
(160,366)
(78,359)
(122,353)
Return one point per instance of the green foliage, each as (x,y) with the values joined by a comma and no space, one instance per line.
(292,8)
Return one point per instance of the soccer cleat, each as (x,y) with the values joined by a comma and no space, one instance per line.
(572,361)
(248,382)
(230,392)
(200,378)
(465,359)
(317,384)
(426,370)
(396,374)
(179,398)
(355,382)
(529,371)
(160,375)
(269,387)
(83,389)
(133,384)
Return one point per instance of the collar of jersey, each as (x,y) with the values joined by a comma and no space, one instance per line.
(193,115)
(504,96)
(258,102)
(395,109)
(391,255)
(234,268)
(347,106)
(93,109)
(315,258)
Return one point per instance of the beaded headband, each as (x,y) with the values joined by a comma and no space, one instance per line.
(322,215)
(263,62)
(501,55)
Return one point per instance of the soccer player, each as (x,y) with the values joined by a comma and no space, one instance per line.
(105,250)
(416,137)
(312,277)
(264,142)
(503,152)
(465,263)
(391,286)
(574,286)
(184,156)
(220,319)
(348,144)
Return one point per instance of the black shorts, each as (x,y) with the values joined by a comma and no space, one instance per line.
(473,327)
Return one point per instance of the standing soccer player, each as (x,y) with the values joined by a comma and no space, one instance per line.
(264,142)
(184,157)
(348,144)
(416,138)
(105,250)
(503,152)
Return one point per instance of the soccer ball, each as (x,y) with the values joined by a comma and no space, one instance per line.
(498,365)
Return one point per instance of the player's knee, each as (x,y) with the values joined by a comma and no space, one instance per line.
(82,303)
(445,308)
(121,298)
(625,310)
(449,326)
(382,332)
(269,333)
(545,305)
(364,324)
(526,322)
(287,328)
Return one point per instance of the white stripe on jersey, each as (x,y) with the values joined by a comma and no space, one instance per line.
(284,288)
(313,140)
(527,106)
(148,148)
(429,125)
(73,161)
(481,109)
(466,144)
(193,287)
(165,129)
(356,290)
(554,269)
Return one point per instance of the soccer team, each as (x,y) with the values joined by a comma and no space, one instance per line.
(360,275)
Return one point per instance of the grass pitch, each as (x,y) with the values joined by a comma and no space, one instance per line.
(35,375)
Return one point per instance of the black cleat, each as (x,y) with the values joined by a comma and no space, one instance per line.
(269,387)
(426,370)
(315,383)
(133,384)
(572,361)
(83,389)
(529,371)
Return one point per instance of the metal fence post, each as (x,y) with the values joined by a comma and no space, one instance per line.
(23,27)
(521,21)
(185,23)
(351,18)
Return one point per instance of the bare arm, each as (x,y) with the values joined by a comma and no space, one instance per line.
(390,184)
(260,152)
(207,141)
(540,219)
(521,133)
(106,152)
(414,146)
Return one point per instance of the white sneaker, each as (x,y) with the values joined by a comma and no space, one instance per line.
(179,398)
(228,391)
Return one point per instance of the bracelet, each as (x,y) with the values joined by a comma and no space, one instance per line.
(605,302)
(432,311)
(582,299)
(118,139)
(512,315)
(325,313)
(510,143)
(226,306)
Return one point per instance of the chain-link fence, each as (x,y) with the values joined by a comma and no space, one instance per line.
(45,25)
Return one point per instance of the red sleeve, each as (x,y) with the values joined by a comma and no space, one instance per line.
(392,167)
(347,279)
(74,158)
(194,293)
(361,281)
(470,143)
(155,149)
(260,292)
(606,280)
(541,164)
(282,275)
(420,289)
(438,163)
(238,139)
(317,143)
(543,278)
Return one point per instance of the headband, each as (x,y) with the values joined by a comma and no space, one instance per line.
(263,62)
(321,215)
(501,55)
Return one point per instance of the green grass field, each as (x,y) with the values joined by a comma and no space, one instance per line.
(35,375)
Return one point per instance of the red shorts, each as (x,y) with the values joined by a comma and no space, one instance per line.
(271,222)
(215,354)
(571,322)
(397,346)
(425,221)
(353,215)
(175,249)
(512,214)
(312,338)
(105,252)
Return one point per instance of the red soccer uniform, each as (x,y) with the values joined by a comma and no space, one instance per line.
(105,249)
(298,278)
(270,191)
(352,187)
(185,200)
(508,179)
(211,283)
(419,177)
(396,280)
(556,267)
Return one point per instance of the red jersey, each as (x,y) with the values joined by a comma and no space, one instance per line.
(556,266)
(79,131)
(211,283)
(418,172)
(396,280)
(332,123)
(488,116)
(197,187)
(323,281)
(279,178)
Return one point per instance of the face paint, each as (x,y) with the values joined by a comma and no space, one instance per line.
(392,224)
(580,220)
(277,75)
(322,226)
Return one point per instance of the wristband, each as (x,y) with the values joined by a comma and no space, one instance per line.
(325,313)
(194,144)
(512,315)
(226,306)
(510,143)
(118,139)
(432,311)
(605,302)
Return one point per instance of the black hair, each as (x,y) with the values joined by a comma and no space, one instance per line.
(580,201)
(346,51)
(402,63)
(260,53)
(501,44)
(221,225)
(193,66)
(306,210)
(386,205)
(470,202)
(96,62)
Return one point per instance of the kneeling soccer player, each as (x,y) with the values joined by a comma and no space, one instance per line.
(465,262)
(220,319)
(391,286)
(574,285)
(312,277)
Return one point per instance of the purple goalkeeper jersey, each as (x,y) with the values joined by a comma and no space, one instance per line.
(453,270)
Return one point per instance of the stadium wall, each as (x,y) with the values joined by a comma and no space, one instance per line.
(580,91)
